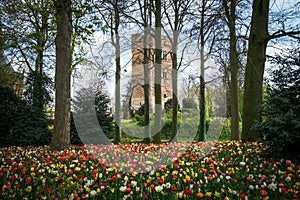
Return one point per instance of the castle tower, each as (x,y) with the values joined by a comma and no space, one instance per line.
(137,80)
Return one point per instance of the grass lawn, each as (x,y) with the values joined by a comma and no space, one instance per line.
(221,170)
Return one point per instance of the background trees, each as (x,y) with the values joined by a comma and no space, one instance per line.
(176,13)
(111,14)
(146,12)
(204,31)
(281,123)
(30,30)
(230,11)
(26,38)
(81,106)
(157,72)
(256,59)
(19,123)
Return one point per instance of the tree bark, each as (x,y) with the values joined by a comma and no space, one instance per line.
(118,97)
(41,27)
(201,128)
(147,131)
(234,67)
(61,135)
(255,69)
(228,91)
(38,91)
(146,16)
(116,44)
(174,87)
(157,72)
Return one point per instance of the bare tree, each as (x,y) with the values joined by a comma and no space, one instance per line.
(204,27)
(146,64)
(111,14)
(230,11)
(176,13)
(188,86)
(157,73)
(141,13)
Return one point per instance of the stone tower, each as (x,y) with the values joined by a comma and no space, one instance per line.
(137,80)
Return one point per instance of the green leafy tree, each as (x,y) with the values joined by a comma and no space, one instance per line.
(45,92)
(20,124)
(259,37)
(169,108)
(177,15)
(9,103)
(27,28)
(141,110)
(82,102)
(282,107)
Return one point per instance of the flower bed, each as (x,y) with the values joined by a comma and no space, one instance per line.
(226,170)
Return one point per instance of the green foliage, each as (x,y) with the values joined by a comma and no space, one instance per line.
(8,77)
(207,124)
(74,137)
(38,89)
(20,124)
(100,101)
(139,117)
(167,129)
(8,108)
(282,107)
(29,29)
(189,103)
(168,105)
(226,132)
(140,111)
(169,109)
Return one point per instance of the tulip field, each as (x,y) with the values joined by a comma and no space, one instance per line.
(220,170)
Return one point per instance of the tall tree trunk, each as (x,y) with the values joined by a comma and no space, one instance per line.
(202,128)
(255,69)
(234,93)
(176,13)
(38,91)
(147,133)
(118,97)
(228,91)
(116,44)
(202,125)
(234,67)
(157,72)
(61,135)
(174,87)
(38,95)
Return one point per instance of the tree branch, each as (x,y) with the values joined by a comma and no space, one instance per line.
(282,33)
